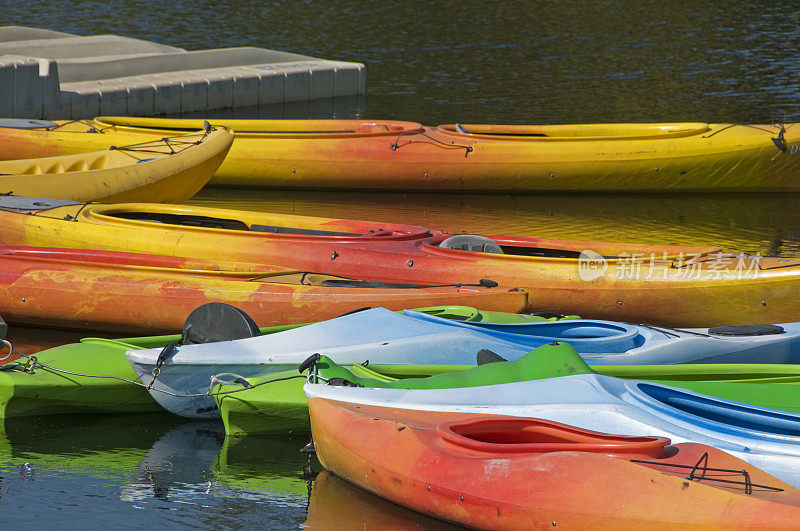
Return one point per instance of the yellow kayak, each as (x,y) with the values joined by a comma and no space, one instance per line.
(167,170)
(396,155)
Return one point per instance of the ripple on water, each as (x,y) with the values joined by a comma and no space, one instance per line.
(756,223)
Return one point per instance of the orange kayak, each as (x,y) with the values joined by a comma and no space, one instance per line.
(659,284)
(496,472)
(139,293)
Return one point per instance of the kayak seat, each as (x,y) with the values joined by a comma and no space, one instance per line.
(217,321)
(294,230)
(471,242)
(485,356)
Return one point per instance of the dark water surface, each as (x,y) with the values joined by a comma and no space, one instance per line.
(432,62)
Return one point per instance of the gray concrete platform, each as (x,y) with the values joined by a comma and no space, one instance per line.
(50,75)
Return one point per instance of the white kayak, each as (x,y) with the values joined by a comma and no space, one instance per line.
(764,437)
(385,337)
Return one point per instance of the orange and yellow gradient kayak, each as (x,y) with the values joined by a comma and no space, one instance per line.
(396,155)
(657,284)
(127,292)
(497,472)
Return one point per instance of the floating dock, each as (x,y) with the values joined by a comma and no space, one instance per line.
(53,75)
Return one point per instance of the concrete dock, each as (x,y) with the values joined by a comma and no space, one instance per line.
(54,75)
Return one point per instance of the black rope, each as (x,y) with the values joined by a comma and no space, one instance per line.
(33,362)
(705,468)
(433,141)
(90,124)
(779,141)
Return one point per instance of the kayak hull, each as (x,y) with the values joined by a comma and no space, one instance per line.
(94,289)
(765,438)
(436,467)
(47,392)
(392,155)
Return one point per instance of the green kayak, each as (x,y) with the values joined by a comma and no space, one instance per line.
(280,406)
(101,369)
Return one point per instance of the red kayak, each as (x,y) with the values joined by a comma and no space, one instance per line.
(140,293)
(497,472)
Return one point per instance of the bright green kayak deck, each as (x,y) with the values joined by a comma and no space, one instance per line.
(281,406)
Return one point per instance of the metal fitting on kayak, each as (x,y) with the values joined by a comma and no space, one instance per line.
(780,141)
(167,351)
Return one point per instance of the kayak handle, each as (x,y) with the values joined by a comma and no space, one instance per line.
(311,360)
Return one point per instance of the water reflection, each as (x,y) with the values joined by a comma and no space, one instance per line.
(189,472)
(148,470)
(765,223)
(335,504)
(343,107)
(529,62)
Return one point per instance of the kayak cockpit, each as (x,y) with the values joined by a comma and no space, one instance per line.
(577,131)
(528,435)
(175,218)
(194,220)
(731,414)
(269,128)
(586,336)
(563,249)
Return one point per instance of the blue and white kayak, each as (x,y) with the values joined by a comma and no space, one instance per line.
(766,438)
(385,337)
